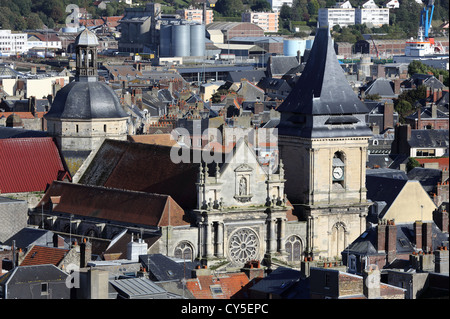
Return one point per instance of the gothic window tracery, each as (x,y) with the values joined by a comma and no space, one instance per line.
(184,251)
(294,248)
(243,246)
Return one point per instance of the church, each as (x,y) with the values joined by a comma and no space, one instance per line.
(85,112)
(231,210)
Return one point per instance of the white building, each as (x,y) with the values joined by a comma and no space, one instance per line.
(392,4)
(12,43)
(342,16)
(277,4)
(371,14)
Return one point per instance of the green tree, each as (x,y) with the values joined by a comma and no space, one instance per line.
(34,22)
(412,162)
(229,8)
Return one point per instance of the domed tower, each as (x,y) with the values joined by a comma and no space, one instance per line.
(85,112)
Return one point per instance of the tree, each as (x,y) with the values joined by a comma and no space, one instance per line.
(34,22)
(229,8)
(261,5)
(412,162)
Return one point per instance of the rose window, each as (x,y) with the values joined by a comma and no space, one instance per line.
(243,246)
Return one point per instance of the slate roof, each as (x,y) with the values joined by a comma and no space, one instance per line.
(124,206)
(30,236)
(428,177)
(380,86)
(366,243)
(426,113)
(33,274)
(28,164)
(163,268)
(385,189)
(280,282)
(86,100)
(280,65)
(15,132)
(250,75)
(323,88)
(429,138)
(387,172)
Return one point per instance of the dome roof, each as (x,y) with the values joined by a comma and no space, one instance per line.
(86,100)
(86,38)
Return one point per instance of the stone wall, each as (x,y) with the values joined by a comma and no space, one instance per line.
(13,217)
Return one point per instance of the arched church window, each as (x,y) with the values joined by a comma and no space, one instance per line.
(294,248)
(184,251)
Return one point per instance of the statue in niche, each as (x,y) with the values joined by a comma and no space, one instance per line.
(243,186)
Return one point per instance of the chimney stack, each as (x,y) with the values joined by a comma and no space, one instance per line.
(371,282)
(418,233)
(381,236)
(391,241)
(440,218)
(427,244)
(441,260)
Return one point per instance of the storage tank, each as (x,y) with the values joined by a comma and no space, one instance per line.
(165,41)
(181,40)
(197,40)
(290,47)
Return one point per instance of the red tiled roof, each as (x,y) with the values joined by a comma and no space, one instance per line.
(28,164)
(229,283)
(22,115)
(442,161)
(114,204)
(41,255)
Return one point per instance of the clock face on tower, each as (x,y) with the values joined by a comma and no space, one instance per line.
(338,173)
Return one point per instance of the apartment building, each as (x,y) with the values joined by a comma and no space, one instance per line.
(12,43)
(343,14)
(336,16)
(370,13)
(196,15)
(268,21)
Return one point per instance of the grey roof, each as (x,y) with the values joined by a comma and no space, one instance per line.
(138,288)
(366,243)
(31,236)
(323,89)
(383,189)
(429,138)
(387,172)
(284,282)
(86,100)
(12,132)
(427,80)
(426,113)
(380,86)
(428,177)
(250,75)
(86,38)
(280,65)
(163,268)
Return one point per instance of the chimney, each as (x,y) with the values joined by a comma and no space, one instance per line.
(371,282)
(391,241)
(427,237)
(388,115)
(419,118)
(58,241)
(253,269)
(418,233)
(440,218)
(259,107)
(381,236)
(397,83)
(434,111)
(441,260)
(85,253)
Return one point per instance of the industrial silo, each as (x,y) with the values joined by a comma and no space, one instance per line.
(165,41)
(197,40)
(290,47)
(181,40)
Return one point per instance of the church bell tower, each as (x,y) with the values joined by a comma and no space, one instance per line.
(323,141)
